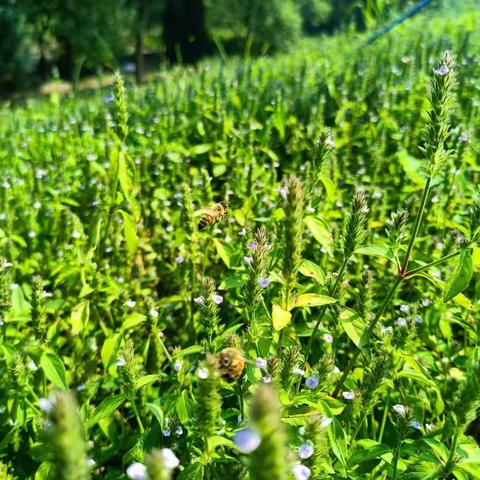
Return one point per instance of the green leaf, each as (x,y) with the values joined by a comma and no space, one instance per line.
(367,450)
(375,250)
(223,252)
(320,232)
(54,370)
(130,232)
(338,441)
(183,407)
(189,351)
(79,317)
(107,408)
(460,277)
(46,471)
(109,349)
(329,186)
(420,471)
(353,325)
(200,149)
(312,270)
(158,413)
(312,300)
(145,380)
(133,320)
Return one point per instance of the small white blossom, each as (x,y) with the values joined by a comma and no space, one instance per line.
(120,362)
(301,472)
(400,409)
(199,300)
(261,362)
(327,338)
(305,450)
(137,471)
(130,303)
(401,322)
(170,460)
(202,373)
(348,395)
(177,365)
(218,299)
(153,313)
(45,404)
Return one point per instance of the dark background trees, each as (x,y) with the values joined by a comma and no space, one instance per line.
(74,38)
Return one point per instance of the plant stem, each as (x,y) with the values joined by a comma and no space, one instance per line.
(384,419)
(369,329)
(451,454)
(422,268)
(137,416)
(416,226)
(396,456)
(324,308)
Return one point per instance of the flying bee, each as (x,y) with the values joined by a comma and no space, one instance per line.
(214,214)
(231,363)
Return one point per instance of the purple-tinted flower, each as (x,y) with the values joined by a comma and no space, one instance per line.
(305,450)
(398,408)
(326,421)
(180,259)
(263,282)
(177,365)
(415,424)
(261,362)
(328,338)
(251,245)
(348,395)
(418,320)
(247,440)
(442,71)
(301,472)
(199,300)
(311,382)
(404,308)
(218,299)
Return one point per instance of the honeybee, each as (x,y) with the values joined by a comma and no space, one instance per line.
(214,214)
(231,363)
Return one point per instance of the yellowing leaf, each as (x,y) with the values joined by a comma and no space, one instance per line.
(280,317)
(312,300)
(320,232)
(353,325)
(460,277)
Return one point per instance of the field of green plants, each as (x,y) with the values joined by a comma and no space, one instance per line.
(344,282)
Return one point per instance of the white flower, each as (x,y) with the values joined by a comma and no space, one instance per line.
(442,71)
(298,371)
(130,303)
(348,395)
(90,462)
(177,365)
(199,300)
(120,362)
(400,409)
(179,430)
(327,338)
(267,379)
(325,422)
(301,472)
(404,308)
(247,440)
(261,363)
(305,450)
(202,373)
(180,259)
(170,460)
(218,299)
(76,234)
(248,260)
(426,302)
(401,322)
(415,424)
(137,471)
(32,366)
(45,404)
(153,313)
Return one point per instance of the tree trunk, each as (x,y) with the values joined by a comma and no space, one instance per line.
(185,35)
(139,59)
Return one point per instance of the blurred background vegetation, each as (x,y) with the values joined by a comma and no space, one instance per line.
(70,39)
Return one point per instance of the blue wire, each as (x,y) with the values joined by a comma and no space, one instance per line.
(404,16)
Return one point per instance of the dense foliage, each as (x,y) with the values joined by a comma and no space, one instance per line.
(43,39)
(346,272)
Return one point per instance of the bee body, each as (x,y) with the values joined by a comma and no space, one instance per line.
(212,215)
(231,363)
